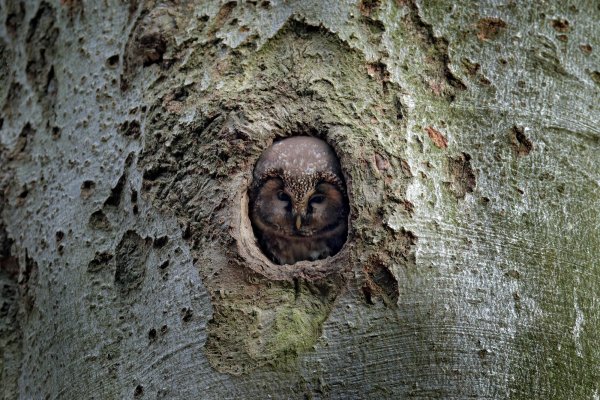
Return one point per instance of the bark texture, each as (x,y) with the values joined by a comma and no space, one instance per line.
(469,138)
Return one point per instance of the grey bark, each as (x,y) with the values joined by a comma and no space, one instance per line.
(469,137)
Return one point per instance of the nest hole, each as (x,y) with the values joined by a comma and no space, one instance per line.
(294,214)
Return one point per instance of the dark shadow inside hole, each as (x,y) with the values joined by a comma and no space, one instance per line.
(298,201)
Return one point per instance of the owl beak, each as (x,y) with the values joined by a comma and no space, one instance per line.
(298,222)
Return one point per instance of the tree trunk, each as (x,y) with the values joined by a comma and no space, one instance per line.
(470,142)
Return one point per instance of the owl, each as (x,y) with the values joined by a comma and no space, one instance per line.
(298,202)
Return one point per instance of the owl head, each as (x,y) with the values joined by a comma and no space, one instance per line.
(298,201)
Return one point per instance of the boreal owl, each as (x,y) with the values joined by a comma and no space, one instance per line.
(298,202)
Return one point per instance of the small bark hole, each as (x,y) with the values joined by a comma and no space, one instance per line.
(298,203)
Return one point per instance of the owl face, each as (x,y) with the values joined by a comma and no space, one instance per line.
(298,202)
(307,213)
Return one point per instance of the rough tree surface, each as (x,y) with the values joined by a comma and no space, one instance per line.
(469,135)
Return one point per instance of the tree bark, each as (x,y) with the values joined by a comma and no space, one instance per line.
(470,142)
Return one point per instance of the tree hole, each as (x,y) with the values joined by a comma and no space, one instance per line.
(298,201)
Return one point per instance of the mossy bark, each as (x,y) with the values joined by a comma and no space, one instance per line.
(468,135)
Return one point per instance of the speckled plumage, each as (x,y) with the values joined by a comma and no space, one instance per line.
(298,202)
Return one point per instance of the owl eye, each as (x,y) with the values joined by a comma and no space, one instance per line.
(281,195)
(317,199)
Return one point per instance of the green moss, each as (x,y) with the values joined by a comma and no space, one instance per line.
(295,330)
